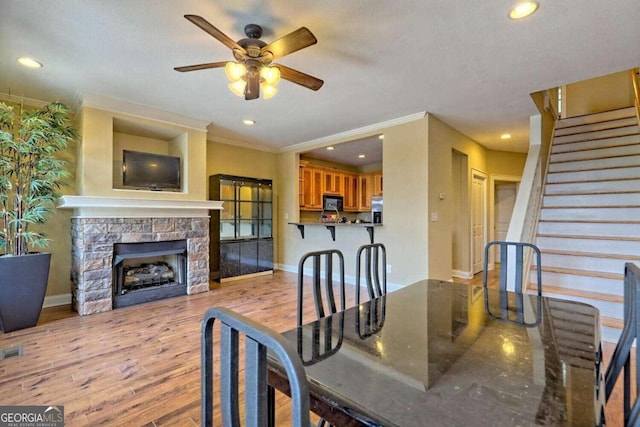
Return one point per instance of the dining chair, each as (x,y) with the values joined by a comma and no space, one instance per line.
(259,401)
(509,250)
(621,358)
(371,317)
(322,299)
(375,266)
(324,339)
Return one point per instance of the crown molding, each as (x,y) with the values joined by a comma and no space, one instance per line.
(233,142)
(354,133)
(92,100)
(21,99)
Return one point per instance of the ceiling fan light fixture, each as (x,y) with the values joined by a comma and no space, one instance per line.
(270,75)
(238,87)
(235,71)
(268,90)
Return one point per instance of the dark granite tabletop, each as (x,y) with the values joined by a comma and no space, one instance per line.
(441,354)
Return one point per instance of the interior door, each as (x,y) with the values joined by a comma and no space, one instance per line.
(478,216)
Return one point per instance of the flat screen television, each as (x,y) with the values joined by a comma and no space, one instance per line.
(150,171)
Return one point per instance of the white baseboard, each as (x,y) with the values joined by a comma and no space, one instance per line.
(55,300)
(349,280)
(462,274)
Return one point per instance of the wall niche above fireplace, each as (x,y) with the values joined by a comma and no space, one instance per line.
(149,139)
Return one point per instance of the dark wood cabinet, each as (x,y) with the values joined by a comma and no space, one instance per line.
(241,240)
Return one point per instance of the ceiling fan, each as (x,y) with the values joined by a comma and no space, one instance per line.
(254,67)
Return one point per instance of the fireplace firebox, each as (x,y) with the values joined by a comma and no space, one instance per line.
(148,271)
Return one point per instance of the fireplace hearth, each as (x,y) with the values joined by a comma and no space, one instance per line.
(148,271)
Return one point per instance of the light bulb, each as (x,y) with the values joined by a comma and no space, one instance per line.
(235,70)
(237,87)
(271,75)
(524,9)
(268,91)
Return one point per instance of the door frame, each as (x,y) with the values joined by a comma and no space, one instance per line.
(480,174)
(493,178)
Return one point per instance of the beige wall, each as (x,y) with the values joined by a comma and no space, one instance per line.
(600,94)
(405,228)
(443,141)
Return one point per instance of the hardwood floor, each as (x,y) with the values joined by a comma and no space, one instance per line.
(140,365)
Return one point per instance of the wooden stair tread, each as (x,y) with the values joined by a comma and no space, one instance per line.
(588,181)
(590,193)
(600,138)
(588,273)
(590,254)
(586,237)
(600,296)
(589,221)
(558,162)
(612,322)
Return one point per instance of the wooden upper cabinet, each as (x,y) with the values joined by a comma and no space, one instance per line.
(377,184)
(365,191)
(332,182)
(350,186)
(311,188)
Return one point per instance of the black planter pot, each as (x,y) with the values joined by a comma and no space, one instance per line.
(23,283)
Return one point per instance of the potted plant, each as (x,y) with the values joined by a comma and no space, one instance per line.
(30,176)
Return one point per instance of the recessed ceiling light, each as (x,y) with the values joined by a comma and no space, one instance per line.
(330,148)
(249,122)
(523,9)
(505,136)
(29,62)
(381,136)
(361,156)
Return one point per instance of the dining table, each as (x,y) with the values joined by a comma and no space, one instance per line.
(437,353)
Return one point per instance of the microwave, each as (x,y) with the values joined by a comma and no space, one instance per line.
(332,203)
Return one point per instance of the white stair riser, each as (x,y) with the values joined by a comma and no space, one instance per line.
(597,117)
(596,143)
(589,229)
(596,175)
(595,164)
(573,262)
(606,308)
(592,245)
(592,214)
(607,133)
(589,200)
(626,185)
(628,121)
(599,153)
(580,283)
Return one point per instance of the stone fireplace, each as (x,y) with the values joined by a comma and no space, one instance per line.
(102,226)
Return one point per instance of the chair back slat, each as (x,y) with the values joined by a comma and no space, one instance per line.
(323,285)
(621,358)
(258,400)
(375,266)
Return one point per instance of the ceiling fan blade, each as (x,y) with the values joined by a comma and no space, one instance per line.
(200,66)
(299,77)
(214,32)
(299,39)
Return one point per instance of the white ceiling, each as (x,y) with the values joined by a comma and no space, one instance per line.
(464,62)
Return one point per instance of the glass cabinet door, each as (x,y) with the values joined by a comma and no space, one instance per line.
(227,189)
(265,193)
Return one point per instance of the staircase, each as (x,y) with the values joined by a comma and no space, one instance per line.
(590,217)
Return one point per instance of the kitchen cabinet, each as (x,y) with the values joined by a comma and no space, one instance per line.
(241,240)
(350,187)
(377,184)
(332,181)
(311,183)
(365,190)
